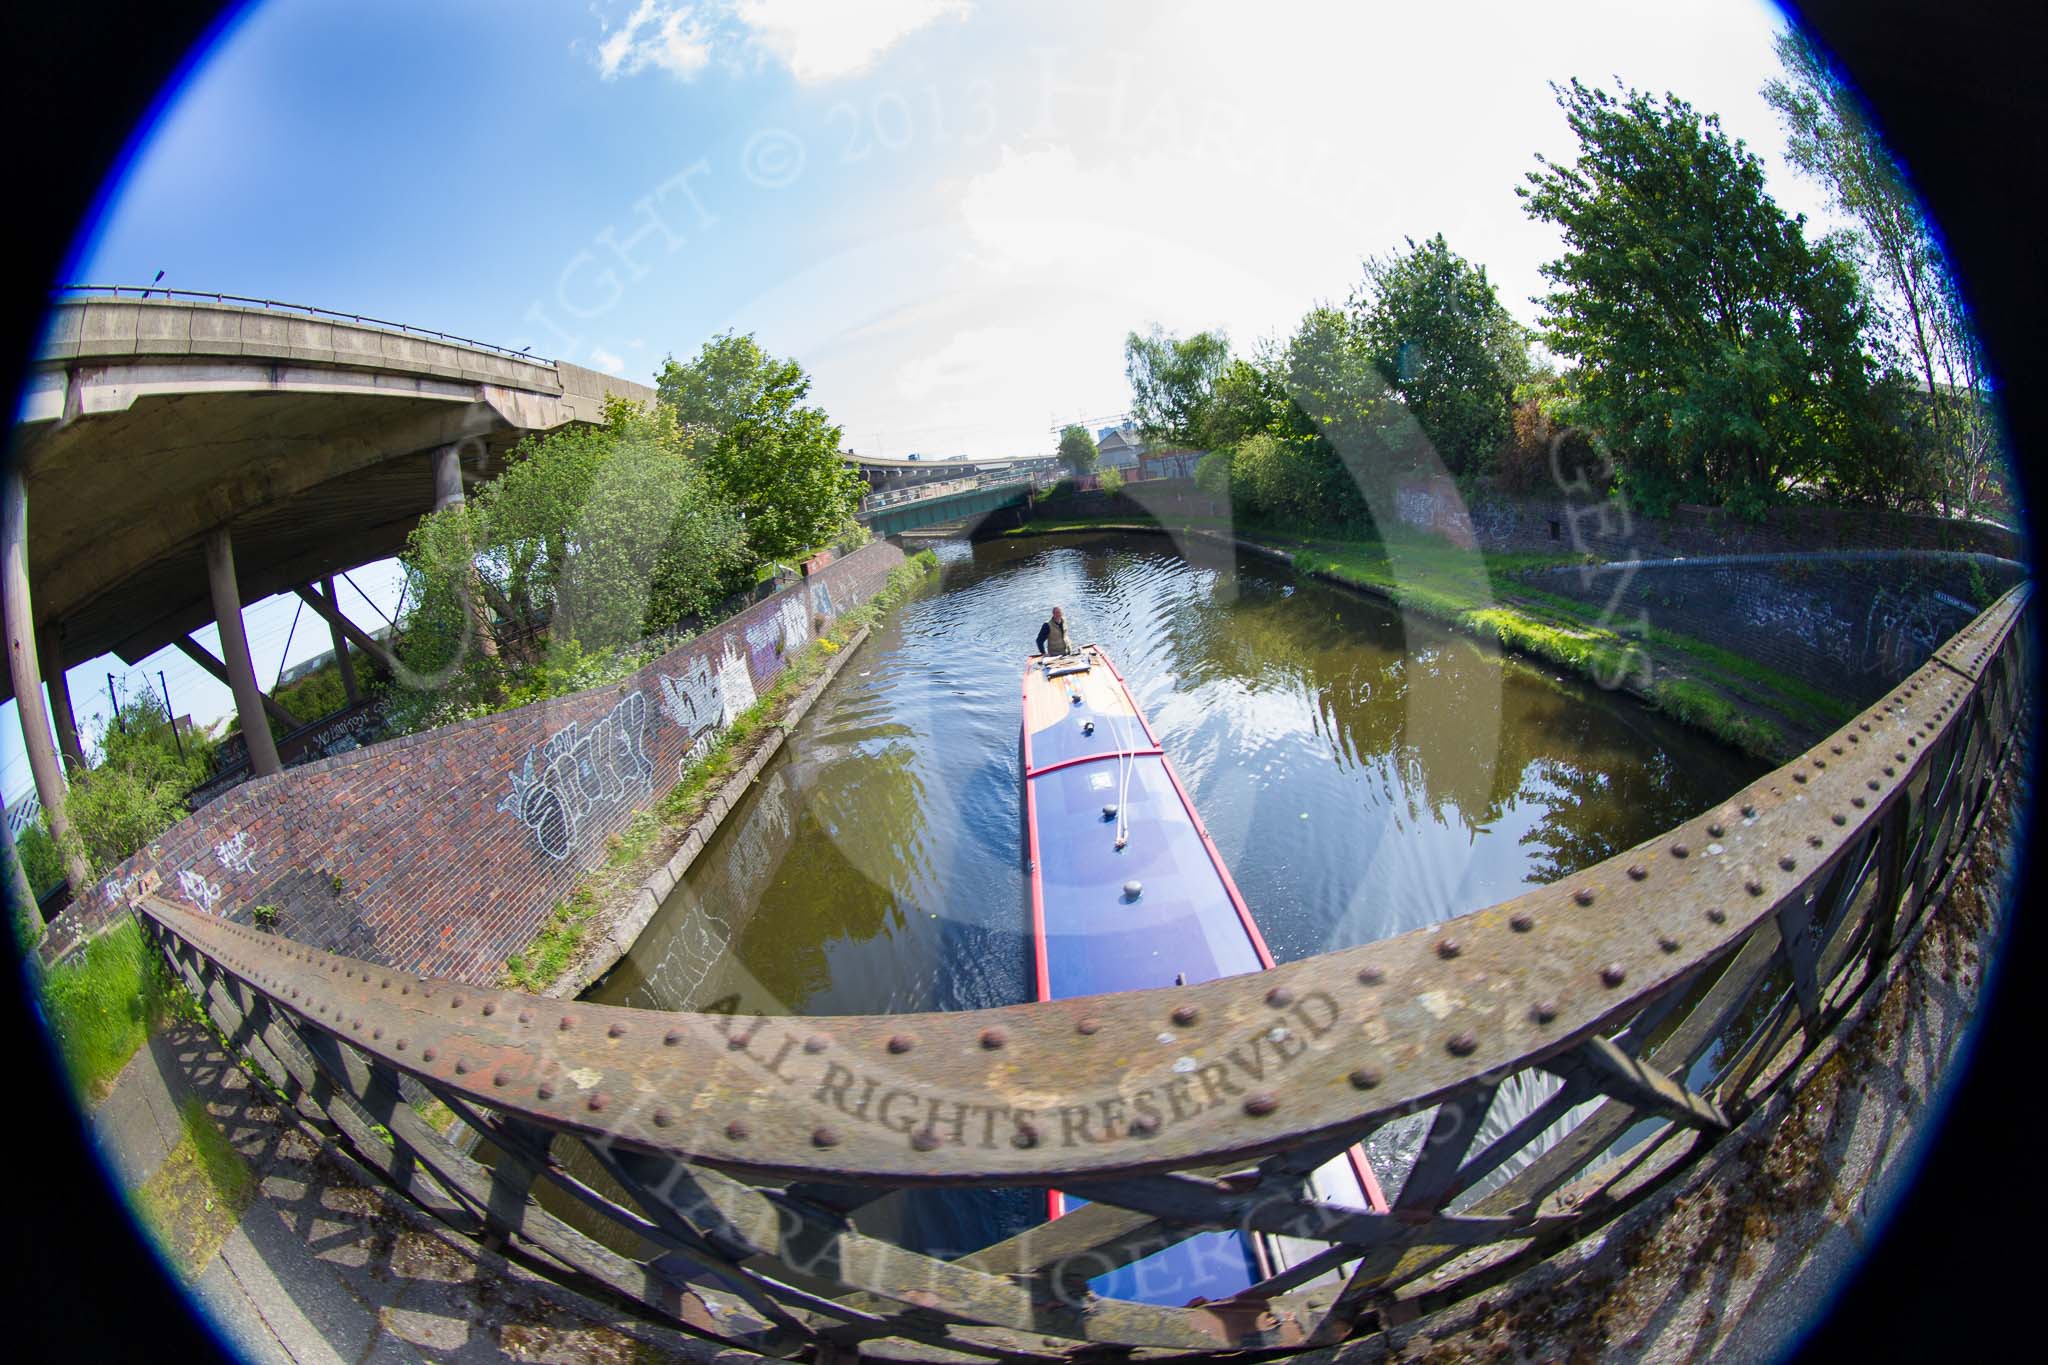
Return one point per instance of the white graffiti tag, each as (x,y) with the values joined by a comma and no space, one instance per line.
(234,853)
(704,700)
(573,774)
(198,890)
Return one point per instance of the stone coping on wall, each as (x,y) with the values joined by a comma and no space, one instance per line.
(619,926)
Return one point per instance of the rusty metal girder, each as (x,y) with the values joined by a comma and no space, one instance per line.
(1615,978)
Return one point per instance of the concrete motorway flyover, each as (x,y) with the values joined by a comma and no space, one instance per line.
(293,443)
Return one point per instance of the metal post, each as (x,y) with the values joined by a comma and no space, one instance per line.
(114,700)
(234,648)
(169,714)
(51,646)
(341,659)
(27,675)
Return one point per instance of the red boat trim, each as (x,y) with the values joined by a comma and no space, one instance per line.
(1095,758)
(1031,852)
(1244,914)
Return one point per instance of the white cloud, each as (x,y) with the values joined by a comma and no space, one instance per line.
(605,360)
(667,37)
(818,40)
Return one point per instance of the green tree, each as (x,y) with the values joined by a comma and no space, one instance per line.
(1919,304)
(773,457)
(1432,323)
(1077,449)
(137,790)
(1172,382)
(603,534)
(1719,352)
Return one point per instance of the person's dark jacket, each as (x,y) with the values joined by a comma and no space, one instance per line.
(1053,633)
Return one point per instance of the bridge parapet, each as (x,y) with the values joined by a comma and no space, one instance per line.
(1659,998)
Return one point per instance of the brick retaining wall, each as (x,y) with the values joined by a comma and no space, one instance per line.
(443,852)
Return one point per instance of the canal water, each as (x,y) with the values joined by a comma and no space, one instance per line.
(1362,777)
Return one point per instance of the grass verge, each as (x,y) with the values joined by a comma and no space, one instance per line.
(653,834)
(198,1195)
(102,1003)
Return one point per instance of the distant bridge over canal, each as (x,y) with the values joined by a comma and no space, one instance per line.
(969,504)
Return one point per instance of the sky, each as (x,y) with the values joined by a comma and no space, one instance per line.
(951,212)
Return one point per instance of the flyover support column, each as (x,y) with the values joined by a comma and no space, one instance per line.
(26,674)
(448,493)
(54,664)
(342,660)
(234,649)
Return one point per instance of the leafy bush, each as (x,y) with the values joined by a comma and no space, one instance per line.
(1542,452)
(138,790)
(1212,474)
(1112,481)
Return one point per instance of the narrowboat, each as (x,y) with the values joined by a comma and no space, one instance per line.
(1128,892)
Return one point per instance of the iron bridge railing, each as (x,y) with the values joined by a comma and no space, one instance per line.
(711,1169)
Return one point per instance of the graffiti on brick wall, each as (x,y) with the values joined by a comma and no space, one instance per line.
(705,698)
(576,773)
(118,888)
(1900,631)
(772,637)
(1435,506)
(198,890)
(821,599)
(234,853)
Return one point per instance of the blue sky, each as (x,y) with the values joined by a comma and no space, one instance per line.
(950,211)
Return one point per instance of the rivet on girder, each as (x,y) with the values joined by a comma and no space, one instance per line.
(596,1102)
(1461,1044)
(568,1022)
(1716,829)
(546,1092)
(1584,895)
(456,1003)
(426,1054)
(1260,1104)
(1858,802)
(1753,886)
(617,1030)
(993,1038)
(1788,862)
(1144,1125)
(672,1037)
(736,1131)
(817,1042)
(1799,777)
(1185,1015)
(1668,943)
(924,1140)
(1365,1077)
(1521,921)
(1279,997)
(1026,1136)
(901,1042)
(1839,818)
(1545,1011)
(1087,1026)
(824,1137)
(1717,915)
(1448,947)
(1370,976)
(1636,872)
(1679,851)
(1613,974)
(662,1118)
(1749,812)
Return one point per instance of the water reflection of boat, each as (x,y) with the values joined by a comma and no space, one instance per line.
(1129,892)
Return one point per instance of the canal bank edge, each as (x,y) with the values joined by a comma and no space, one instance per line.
(1756,706)
(619,925)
